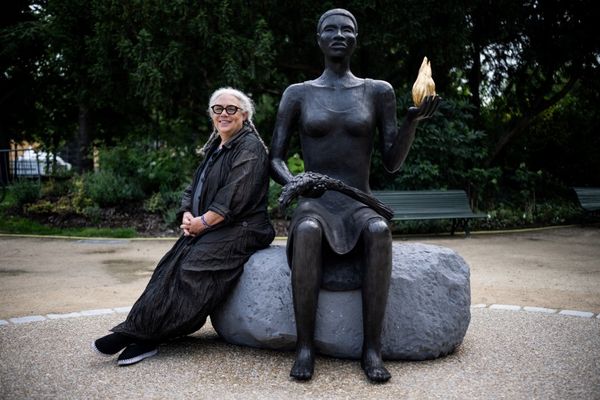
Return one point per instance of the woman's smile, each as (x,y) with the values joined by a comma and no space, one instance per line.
(228,124)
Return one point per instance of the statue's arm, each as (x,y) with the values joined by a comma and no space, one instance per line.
(396,141)
(287,116)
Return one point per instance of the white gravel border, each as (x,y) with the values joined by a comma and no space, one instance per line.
(124,310)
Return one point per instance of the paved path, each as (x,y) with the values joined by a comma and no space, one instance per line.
(506,354)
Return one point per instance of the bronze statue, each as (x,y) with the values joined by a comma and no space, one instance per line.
(336,116)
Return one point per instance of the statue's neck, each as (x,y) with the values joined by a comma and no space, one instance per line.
(337,66)
(337,74)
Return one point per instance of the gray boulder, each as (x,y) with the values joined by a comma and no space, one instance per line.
(427,314)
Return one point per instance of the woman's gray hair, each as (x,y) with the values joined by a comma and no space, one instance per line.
(246,102)
(247,105)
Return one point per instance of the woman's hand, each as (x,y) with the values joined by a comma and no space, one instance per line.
(195,226)
(186,222)
(426,110)
(192,226)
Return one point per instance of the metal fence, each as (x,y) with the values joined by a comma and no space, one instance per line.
(29,163)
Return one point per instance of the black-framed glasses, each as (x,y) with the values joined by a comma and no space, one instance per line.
(230,110)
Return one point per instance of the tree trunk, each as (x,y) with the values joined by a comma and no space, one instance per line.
(474,77)
(85,134)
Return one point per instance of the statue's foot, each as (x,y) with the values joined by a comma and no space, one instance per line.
(304,365)
(372,364)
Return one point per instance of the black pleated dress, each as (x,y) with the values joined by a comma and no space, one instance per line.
(197,273)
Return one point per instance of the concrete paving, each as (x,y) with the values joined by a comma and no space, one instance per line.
(505,354)
(512,350)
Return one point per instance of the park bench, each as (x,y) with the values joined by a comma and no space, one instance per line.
(430,204)
(589,198)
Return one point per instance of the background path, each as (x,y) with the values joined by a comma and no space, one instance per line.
(555,268)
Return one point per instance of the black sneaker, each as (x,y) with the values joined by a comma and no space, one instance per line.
(136,352)
(111,344)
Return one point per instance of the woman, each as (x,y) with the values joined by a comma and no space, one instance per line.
(337,115)
(224,220)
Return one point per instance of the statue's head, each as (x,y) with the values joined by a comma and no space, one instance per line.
(337,31)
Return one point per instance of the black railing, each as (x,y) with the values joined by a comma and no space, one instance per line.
(29,163)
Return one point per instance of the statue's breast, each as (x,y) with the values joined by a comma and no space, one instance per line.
(329,111)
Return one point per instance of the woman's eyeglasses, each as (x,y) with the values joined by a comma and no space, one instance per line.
(230,110)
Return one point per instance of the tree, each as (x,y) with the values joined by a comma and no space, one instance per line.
(525,58)
(21,50)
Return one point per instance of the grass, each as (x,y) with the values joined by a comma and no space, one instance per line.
(23,226)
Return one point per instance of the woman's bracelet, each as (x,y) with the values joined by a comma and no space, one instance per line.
(206,224)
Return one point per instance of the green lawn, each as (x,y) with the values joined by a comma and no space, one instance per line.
(19,225)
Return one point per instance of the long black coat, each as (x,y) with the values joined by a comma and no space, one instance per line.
(235,186)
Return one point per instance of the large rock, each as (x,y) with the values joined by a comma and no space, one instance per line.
(427,314)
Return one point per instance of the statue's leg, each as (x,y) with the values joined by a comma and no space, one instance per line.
(376,281)
(306,282)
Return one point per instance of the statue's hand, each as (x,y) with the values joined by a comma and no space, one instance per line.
(426,110)
(307,184)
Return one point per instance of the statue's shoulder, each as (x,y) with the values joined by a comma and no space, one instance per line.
(294,91)
(380,86)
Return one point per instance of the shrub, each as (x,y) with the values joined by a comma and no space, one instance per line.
(79,199)
(151,168)
(57,187)
(25,192)
(107,189)
(165,202)
(93,213)
(44,206)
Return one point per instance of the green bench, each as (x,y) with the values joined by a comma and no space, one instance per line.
(589,198)
(430,204)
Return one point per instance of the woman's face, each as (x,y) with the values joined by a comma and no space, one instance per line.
(227,125)
(337,37)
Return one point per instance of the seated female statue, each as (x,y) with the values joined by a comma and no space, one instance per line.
(337,116)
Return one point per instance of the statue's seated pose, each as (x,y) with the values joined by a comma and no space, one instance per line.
(337,115)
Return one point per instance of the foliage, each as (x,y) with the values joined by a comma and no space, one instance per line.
(447,154)
(25,192)
(119,73)
(80,200)
(107,189)
(563,142)
(151,168)
(502,217)
(19,225)
(165,203)
(533,54)
(57,187)
(296,166)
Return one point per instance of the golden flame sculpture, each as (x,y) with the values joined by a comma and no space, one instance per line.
(424,85)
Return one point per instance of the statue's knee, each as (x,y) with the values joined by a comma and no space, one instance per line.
(378,229)
(307,229)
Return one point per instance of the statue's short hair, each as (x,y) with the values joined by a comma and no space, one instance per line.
(336,11)
(246,103)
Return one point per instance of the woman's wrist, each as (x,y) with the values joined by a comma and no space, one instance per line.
(204,222)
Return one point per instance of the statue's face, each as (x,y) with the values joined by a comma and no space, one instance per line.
(337,37)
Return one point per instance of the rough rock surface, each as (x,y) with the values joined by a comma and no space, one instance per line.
(427,314)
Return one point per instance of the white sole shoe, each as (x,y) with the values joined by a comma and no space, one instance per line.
(137,359)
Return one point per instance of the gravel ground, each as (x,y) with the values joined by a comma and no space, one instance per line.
(506,354)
